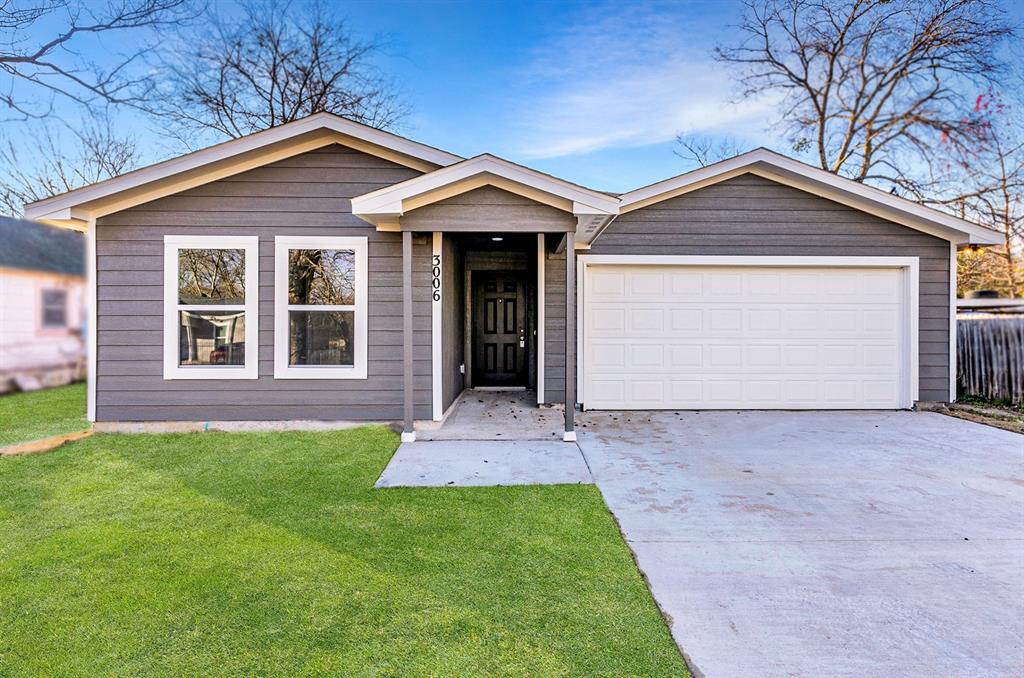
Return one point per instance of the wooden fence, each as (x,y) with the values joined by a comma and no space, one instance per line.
(990,358)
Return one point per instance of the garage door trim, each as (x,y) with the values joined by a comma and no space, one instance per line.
(911,289)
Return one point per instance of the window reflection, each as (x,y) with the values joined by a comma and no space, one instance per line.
(321,277)
(211,276)
(211,338)
(321,337)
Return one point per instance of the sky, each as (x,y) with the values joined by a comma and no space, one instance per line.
(592,92)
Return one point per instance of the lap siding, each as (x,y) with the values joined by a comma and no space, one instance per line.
(304,195)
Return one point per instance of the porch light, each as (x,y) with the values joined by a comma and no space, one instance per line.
(497,238)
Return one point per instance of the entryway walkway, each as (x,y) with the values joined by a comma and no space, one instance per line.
(491,438)
(498,415)
(482,463)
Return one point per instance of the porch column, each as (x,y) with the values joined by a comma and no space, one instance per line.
(408,433)
(570,337)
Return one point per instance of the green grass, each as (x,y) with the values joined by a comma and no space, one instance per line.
(271,554)
(41,414)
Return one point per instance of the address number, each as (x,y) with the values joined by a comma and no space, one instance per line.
(435,278)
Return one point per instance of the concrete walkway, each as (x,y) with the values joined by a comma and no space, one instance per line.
(498,415)
(483,463)
(823,543)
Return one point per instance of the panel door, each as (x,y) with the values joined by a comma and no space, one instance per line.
(709,337)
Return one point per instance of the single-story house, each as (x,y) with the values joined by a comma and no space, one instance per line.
(325,270)
(42,305)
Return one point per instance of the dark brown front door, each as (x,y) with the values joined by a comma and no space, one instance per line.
(499,329)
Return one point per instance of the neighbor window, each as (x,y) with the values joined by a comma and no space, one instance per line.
(210,307)
(55,309)
(319,308)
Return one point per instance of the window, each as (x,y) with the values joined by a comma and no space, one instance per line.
(55,309)
(319,308)
(210,307)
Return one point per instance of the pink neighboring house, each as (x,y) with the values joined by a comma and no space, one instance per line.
(42,305)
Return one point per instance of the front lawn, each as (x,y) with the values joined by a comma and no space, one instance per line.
(41,414)
(271,554)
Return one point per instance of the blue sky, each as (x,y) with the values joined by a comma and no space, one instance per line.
(593,92)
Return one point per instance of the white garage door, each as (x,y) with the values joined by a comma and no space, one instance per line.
(756,337)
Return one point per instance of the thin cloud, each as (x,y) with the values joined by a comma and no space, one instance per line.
(628,77)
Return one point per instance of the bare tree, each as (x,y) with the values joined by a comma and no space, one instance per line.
(274,65)
(39,51)
(45,163)
(872,86)
(993,195)
(705,149)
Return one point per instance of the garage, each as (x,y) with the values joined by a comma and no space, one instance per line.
(748,333)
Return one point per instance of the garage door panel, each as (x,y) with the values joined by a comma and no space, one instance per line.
(732,337)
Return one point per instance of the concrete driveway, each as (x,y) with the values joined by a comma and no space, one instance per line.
(823,544)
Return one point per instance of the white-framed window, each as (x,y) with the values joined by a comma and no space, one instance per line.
(211,307)
(55,309)
(320,324)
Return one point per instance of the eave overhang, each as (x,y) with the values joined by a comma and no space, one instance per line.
(385,207)
(784,170)
(74,208)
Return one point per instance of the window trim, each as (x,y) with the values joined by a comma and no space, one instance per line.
(63,325)
(250,246)
(284,243)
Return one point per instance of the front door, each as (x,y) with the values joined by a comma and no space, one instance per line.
(499,329)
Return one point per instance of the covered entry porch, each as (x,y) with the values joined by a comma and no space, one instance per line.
(502,279)
(502,333)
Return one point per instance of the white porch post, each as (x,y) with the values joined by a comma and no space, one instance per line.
(408,433)
(570,337)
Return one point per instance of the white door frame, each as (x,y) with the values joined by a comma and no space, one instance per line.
(909,373)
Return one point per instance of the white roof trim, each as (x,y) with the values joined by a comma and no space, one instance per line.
(819,182)
(388,202)
(417,155)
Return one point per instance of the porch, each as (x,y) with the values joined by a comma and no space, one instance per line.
(495,227)
(502,336)
(497,415)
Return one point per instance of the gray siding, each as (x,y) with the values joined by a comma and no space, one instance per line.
(453,319)
(750,215)
(486,210)
(554,323)
(305,195)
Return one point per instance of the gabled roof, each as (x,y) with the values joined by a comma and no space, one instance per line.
(446,174)
(232,157)
(785,170)
(30,246)
(387,203)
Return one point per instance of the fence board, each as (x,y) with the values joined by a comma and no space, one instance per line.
(990,358)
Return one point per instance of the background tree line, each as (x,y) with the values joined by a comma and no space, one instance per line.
(918,97)
(202,74)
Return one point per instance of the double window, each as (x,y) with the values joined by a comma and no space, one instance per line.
(319,307)
(211,307)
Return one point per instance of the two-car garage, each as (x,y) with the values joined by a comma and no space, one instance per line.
(682,332)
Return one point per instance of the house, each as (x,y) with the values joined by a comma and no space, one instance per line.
(42,296)
(325,270)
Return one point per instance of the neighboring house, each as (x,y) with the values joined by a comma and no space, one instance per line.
(325,270)
(42,295)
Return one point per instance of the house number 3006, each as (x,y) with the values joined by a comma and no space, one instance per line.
(435,278)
